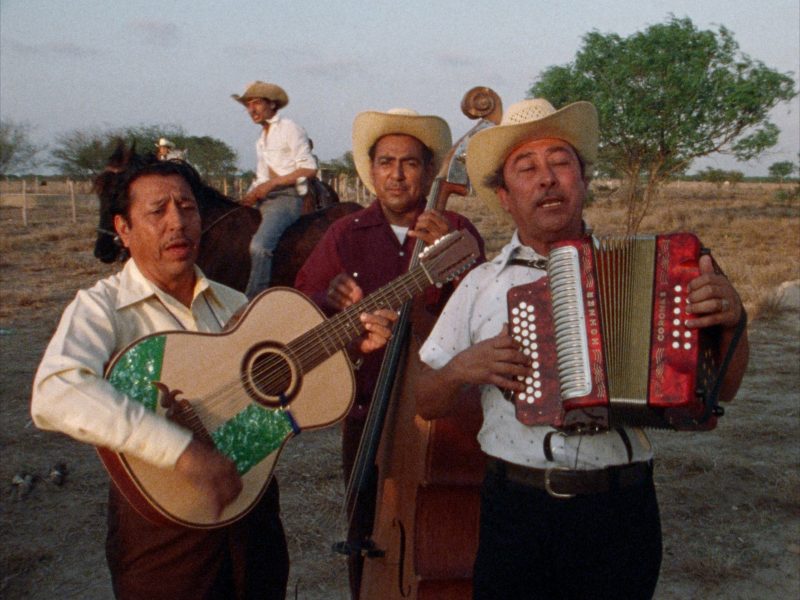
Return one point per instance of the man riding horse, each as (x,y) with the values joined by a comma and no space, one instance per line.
(284,164)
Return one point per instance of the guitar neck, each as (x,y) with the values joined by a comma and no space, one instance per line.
(323,341)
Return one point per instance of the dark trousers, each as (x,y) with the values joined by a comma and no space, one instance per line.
(247,560)
(598,546)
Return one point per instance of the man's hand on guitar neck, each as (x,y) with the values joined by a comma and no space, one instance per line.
(343,292)
(211,473)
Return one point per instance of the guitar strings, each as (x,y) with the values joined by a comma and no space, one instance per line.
(312,347)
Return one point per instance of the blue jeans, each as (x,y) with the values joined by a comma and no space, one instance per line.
(277,213)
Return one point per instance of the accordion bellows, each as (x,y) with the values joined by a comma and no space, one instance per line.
(606,334)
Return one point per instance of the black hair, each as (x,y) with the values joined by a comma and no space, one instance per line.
(149,164)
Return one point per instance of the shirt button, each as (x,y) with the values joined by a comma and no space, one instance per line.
(402,253)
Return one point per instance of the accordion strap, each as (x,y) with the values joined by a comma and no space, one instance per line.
(713,406)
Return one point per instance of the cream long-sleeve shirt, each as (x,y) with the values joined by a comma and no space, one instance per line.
(70,394)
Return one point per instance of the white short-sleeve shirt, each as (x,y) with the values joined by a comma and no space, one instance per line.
(477,311)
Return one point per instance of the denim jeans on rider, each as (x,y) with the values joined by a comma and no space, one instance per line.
(277,213)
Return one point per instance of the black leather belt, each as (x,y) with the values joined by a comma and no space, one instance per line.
(561,482)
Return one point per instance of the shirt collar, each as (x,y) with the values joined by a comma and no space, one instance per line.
(135,287)
(514,249)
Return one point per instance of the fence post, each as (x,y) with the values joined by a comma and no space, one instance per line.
(225,185)
(24,203)
(72,200)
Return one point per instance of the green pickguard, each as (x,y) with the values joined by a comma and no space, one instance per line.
(247,438)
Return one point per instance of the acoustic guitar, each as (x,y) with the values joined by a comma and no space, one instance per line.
(280,370)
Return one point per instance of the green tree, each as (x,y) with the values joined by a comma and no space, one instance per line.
(210,156)
(84,153)
(344,165)
(781,170)
(721,177)
(667,96)
(17,151)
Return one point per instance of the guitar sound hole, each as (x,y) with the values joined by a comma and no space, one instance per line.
(270,377)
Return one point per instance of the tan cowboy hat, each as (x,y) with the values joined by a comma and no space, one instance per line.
(370,126)
(261,89)
(165,142)
(528,120)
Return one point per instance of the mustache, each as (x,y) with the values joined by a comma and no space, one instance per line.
(180,240)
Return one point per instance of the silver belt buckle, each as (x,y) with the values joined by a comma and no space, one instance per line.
(548,487)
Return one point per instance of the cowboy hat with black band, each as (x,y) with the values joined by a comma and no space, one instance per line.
(370,126)
(532,119)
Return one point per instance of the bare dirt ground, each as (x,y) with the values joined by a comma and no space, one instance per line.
(730,499)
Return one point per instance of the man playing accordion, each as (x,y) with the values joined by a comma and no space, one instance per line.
(563,515)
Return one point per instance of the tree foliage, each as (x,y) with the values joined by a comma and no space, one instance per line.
(17,151)
(667,96)
(720,176)
(781,170)
(84,153)
(344,165)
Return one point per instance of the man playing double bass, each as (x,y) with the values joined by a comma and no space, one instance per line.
(562,516)
(397,155)
(159,289)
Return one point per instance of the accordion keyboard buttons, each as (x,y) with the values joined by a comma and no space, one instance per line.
(682,336)
(523,329)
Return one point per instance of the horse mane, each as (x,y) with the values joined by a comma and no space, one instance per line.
(107,246)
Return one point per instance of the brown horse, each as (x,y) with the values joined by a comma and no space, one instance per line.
(224,254)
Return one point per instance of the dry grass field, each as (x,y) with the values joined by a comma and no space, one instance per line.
(730,498)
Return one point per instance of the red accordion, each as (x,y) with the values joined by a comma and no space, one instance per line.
(606,335)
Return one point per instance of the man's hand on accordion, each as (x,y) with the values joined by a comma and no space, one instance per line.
(496,361)
(714,301)
(712,298)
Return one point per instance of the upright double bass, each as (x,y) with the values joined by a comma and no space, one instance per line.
(425,530)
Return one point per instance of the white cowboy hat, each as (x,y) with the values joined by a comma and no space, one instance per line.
(370,126)
(532,119)
(267,91)
(165,142)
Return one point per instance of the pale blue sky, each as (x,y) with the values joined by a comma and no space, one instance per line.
(80,64)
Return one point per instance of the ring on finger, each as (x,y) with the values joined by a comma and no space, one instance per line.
(725,304)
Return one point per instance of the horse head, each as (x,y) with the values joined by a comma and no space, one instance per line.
(107,246)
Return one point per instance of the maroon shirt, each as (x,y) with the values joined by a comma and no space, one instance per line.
(364,246)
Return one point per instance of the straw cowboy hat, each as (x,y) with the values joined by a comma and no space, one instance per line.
(530,120)
(165,142)
(267,91)
(370,126)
